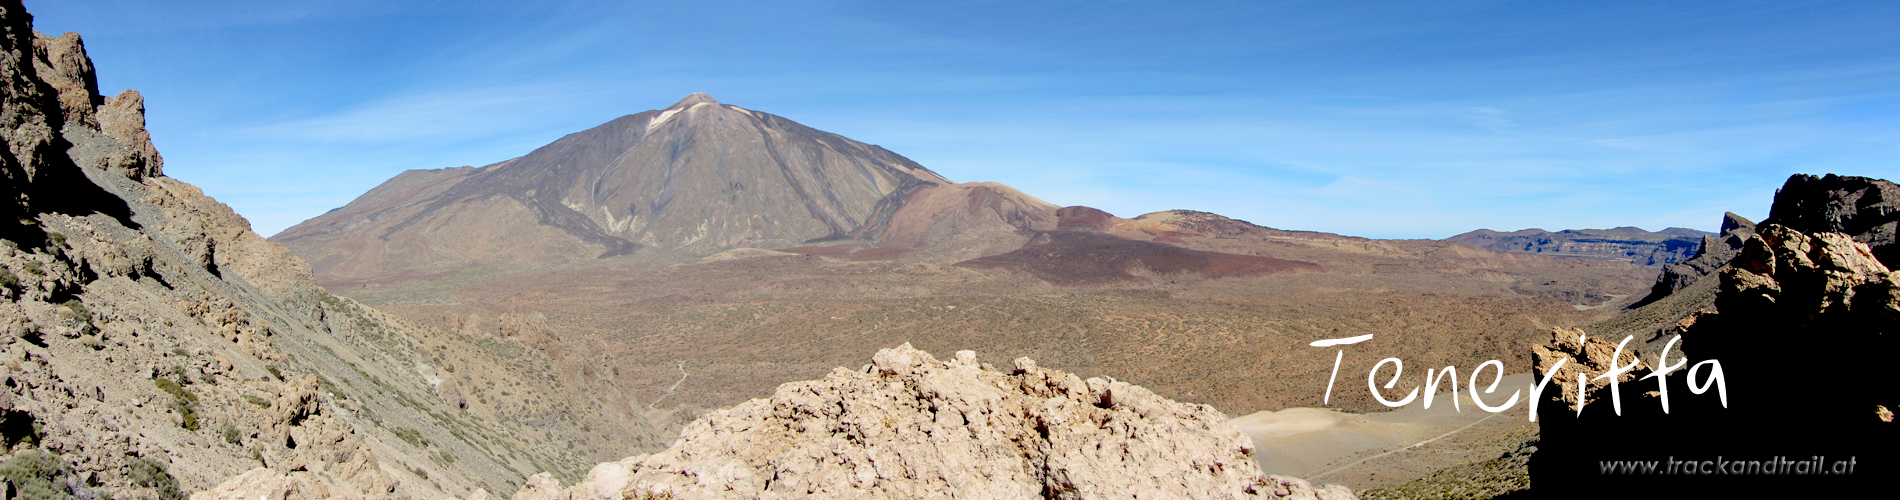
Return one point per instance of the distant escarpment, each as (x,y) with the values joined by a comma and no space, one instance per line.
(910,426)
(1627,244)
(694,178)
(152,345)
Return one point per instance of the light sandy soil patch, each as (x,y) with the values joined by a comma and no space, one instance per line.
(1366,451)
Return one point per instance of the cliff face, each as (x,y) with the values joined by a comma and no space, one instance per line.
(1866,208)
(1627,244)
(151,344)
(1800,332)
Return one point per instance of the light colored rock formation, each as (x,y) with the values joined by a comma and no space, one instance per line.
(1584,358)
(911,426)
(1810,275)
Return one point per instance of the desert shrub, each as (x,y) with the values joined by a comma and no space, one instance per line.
(260,402)
(410,436)
(32,474)
(33,267)
(79,310)
(183,402)
(152,474)
(231,435)
(9,280)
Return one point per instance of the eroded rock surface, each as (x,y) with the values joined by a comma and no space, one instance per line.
(1800,332)
(152,345)
(911,426)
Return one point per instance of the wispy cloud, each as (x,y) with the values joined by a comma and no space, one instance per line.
(434,115)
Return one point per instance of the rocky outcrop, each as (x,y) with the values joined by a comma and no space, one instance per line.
(1867,209)
(152,345)
(1627,244)
(1800,335)
(1713,253)
(911,426)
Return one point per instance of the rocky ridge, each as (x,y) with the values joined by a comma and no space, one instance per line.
(1787,302)
(1627,244)
(911,426)
(151,344)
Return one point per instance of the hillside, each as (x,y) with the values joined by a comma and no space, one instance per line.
(153,345)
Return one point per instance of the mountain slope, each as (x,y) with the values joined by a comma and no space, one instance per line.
(695,178)
(151,344)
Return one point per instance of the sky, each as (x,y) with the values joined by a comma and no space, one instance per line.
(1381,119)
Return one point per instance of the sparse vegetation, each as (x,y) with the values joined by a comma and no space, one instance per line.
(79,311)
(33,474)
(152,474)
(232,436)
(183,402)
(410,436)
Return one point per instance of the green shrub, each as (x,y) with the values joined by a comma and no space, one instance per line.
(231,435)
(178,374)
(79,310)
(260,402)
(410,436)
(183,402)
(32,474)
(151,474)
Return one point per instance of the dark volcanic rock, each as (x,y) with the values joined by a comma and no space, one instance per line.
(1080,217)
(1804,333)
(1710,256)
(1081,258)
(1868,209)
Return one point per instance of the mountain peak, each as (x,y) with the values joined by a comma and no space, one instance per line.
(693,98)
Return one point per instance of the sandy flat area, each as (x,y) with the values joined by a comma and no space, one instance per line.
(1375,450)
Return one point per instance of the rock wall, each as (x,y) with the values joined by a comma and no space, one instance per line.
(1802,332)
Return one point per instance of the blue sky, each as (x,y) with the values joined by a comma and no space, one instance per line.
(1379,119)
